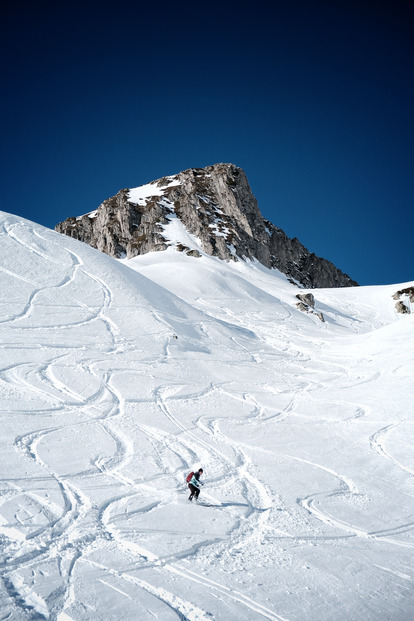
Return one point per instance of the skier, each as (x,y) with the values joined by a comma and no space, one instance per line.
(194,484)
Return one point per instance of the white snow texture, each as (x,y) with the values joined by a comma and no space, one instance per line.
(119,378)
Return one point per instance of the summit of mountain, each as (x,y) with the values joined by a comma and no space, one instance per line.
(220,216)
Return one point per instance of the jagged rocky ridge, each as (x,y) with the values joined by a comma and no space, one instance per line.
(216,205)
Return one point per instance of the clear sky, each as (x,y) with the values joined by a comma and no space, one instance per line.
(313,99)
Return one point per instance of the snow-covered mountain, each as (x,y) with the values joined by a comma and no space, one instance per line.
(119,377)
(216,206)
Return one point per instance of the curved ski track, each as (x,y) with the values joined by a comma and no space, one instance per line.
(61,535)
(79,525)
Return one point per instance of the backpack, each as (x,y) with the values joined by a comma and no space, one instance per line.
(190,476)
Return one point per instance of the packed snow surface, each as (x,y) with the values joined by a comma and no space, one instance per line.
(118,378)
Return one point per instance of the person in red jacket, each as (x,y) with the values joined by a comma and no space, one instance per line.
(194,484)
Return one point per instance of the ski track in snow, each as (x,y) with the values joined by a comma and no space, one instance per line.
(53,537)
(75,528)
(378,443)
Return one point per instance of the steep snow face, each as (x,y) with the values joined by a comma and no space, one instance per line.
(118,378)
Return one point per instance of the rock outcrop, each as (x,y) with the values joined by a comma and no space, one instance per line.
(404,305)
(216,206)
(307,299)
(307,305)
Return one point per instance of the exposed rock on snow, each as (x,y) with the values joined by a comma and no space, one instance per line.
(217,207)
(307,298)
(403,306)
(307,304)
(408,291)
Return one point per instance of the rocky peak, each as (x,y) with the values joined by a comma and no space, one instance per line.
(219,213)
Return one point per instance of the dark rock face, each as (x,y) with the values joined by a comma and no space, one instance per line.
(215,204)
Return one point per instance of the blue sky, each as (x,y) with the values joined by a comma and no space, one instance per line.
(314,100)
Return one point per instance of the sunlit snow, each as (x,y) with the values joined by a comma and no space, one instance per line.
(118,378)
(141,194)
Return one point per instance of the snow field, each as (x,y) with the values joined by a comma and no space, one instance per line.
(117,379)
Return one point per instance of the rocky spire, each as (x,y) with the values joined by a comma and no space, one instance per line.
(216,206)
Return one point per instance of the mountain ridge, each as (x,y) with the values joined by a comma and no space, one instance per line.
(217,206)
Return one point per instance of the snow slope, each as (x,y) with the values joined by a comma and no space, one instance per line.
(117,378)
